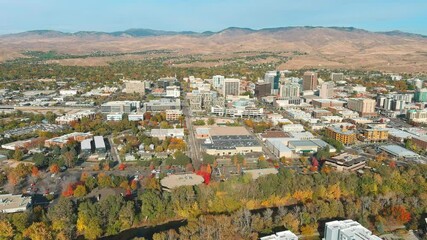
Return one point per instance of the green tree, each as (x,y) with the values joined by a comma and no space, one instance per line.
(89,221)
(50,117)
(40,160)
(91,183)
(323,153)
(208,159)
(153,205)
(63,217)
(21,221)
(18,154)
(199,122)
(211,121)
(80,191)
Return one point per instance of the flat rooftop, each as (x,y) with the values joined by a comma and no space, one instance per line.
(9,201)
(274,134)
(399,133)
(341,130)
(232,142)
(202,130)
(99,142)
(399,151)
(228,131)
(65,138)
(347,159)
(86,144)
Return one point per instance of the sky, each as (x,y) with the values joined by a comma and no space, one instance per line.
(210,15)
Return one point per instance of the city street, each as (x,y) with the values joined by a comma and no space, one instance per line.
(193,147)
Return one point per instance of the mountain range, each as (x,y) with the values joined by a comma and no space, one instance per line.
(144,32)
(322,47)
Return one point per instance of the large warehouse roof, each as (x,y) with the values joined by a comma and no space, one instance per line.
(399,151)
(227,131)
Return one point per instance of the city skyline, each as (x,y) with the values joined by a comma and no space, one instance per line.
(206,15)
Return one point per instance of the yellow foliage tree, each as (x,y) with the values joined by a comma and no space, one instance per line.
(38,231)
(334,191)
(303,196)
(6,230)
(308,229)
(252,204)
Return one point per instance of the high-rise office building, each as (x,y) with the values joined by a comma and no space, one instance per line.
(273,77)
(217,81)
(421,95)
(327,90)
(309,81)
(231,87)
(262,89)
(381,101)
(364,106)
(337,77)
(397,105)
(387,103)
(290,90)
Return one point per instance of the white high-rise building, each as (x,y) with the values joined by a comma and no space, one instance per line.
(173,91)
(290,90)
(387,103)
(418,83)
(327,90)
(346,230)
(217,81)
(231,87)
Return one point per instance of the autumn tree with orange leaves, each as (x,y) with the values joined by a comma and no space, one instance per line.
(34,171)
(54,168)
(400,214)
(69,190)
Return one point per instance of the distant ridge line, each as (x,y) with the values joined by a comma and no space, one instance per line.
(144,32)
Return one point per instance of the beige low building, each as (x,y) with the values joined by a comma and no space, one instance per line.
(134,86)
(173,114)
(347,162)
(233,150)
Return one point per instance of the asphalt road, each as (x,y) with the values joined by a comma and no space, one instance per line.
(113,150)
(193,148)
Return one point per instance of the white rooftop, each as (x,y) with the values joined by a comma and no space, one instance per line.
(399,151)
(13,203)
